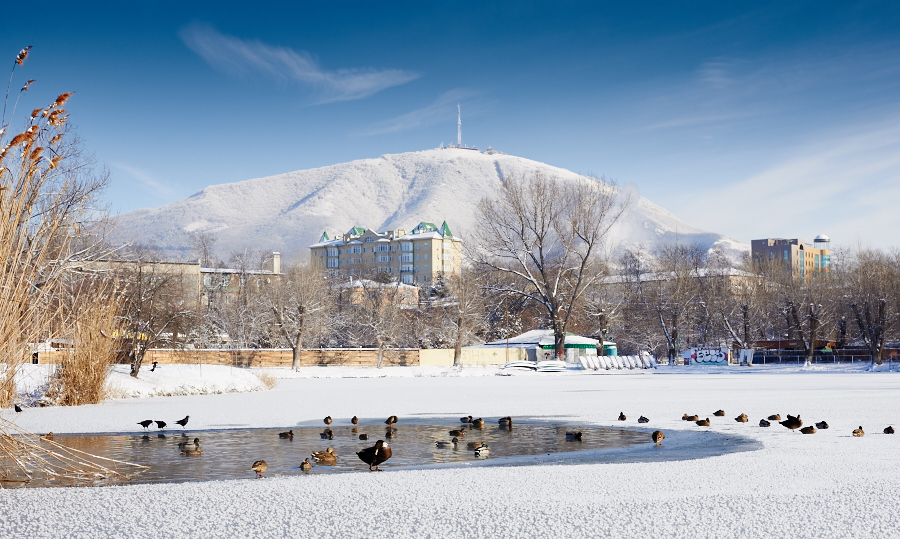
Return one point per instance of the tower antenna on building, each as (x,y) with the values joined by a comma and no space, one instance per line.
(458,127)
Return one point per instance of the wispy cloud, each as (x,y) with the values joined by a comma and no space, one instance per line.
(147,179)
(436,111)
(246,57)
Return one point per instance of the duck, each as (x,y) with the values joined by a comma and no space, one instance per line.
(574,436)
(693,418)
(375,455)
(474,445)
(887,430)
(719,413)
(808,430)
(49,435)
(792,422)
(391,420)
(458,432)
(643,419)
(685,417)
(327,434)
(482,451)
(465,420)
(259,467)
(354,420)
(859,432)
(327,420)
(306,465)
(622,416)
(289,434)
(822,425)
(195,452)
(189,445)
(774,417)
(657,437)
(741,418)
(478,423)
(363,436)
(505,420)
(443,444)
(764,423)
(325,458)
(702,422)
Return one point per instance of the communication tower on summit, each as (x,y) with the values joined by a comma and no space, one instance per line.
(458,127)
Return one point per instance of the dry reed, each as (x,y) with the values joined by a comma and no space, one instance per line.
(267,379)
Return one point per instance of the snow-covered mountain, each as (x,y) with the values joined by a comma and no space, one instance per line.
(289,212)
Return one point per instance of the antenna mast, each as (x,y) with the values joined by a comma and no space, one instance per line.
(458,127)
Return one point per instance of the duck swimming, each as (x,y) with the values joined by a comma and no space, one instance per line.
(478,423)
(574,436)
(482,451)
(325,458)
(189,445)
(289,434)
(458,432)
(443,444)
(465,420)
(306,465)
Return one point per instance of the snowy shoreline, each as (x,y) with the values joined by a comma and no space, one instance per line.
(825,485)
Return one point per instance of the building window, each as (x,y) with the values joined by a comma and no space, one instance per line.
(384,258)
(370,240)
(448,256)
(426,268)
(333,262)
(225,280)
(333,251)
(355,250)
(406,268)
(426,257)
(406,247)
(448,245)
(448,268)
(417,246)
(207,280)
(406,257)
(406,279)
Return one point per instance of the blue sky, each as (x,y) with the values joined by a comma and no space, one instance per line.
(752,119)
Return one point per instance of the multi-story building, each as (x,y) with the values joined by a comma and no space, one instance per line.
(418,257)
(803,258)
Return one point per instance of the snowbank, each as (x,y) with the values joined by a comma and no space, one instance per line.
(829,484)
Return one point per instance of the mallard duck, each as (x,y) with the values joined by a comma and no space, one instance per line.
(443,444)
(774,417)
(325,458)
(289,434)
(693,418)
(478,423)
(474,445)
(719,413)
(657,437)
(622,416)
(859,432)
(306,465)
(685,417)
(354,420)
(505,420)
(327,420)
(375,455)
(887,430)
(574,436)
(189,445)
(792,422)
(49,435)
(808,430)
(327,434)
(196,452)
(259,467)
(482,451)
(465,420)
(741,418)
(391,420)
(764,423)
(363,436)
(458,432)
(643,419)
(821,425)
(703,422)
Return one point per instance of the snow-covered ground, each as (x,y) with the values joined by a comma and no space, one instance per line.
(825,485)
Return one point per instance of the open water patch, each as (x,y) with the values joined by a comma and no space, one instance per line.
(229,453)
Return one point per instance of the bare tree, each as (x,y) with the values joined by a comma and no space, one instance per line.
(463,309)
(547,234)
(203,244)
(299,302)
(375,312)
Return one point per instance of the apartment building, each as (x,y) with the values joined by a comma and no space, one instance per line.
(805,259)
(418,257)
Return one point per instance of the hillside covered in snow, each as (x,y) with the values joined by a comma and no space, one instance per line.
(289,212)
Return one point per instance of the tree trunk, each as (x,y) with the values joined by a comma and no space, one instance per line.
(559,341)
(137,357)
(296,349)
(380,345)
(813,328)
(457,348)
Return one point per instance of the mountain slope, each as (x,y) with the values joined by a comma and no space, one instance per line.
(288,212)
